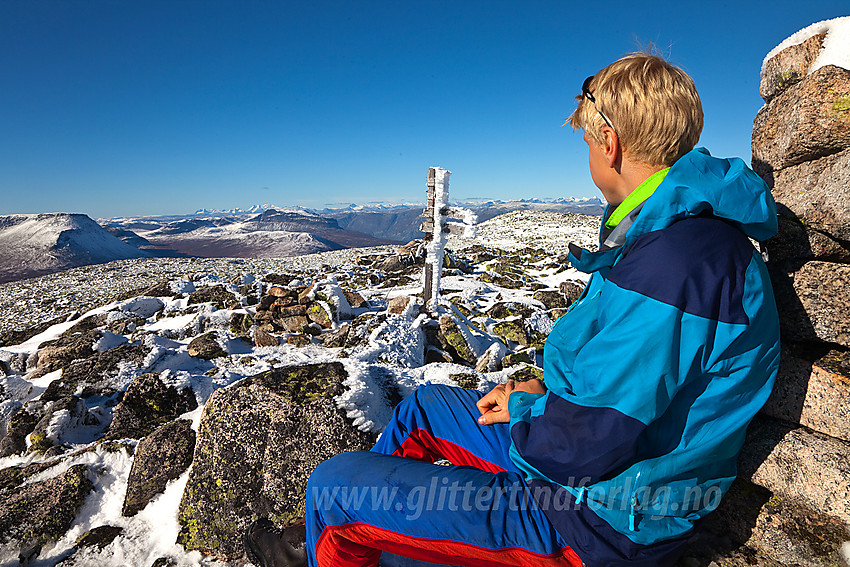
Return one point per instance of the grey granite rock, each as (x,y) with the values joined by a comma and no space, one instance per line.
(813,304)
(808,121)
(258,442)
(797,243)
(818,193)
(160,457)
(789,67)
(783,530)
(813,393)
(146,405)
(799,465)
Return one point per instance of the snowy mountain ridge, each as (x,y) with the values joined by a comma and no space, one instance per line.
(37,244)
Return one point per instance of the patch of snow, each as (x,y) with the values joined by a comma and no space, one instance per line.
(398,341)
(181,285)
(540,229)
(836,45)
(143,307)
(108,340)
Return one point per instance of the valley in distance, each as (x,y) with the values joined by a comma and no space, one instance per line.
(39,244)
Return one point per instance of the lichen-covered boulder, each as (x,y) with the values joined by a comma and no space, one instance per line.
(513,331)
(95,374)
(317,312)
(503,310)
(335,338)
(52,355)
(21,425)
(147,404)
(240,324)
(455,342)
(206,346)
(526,356)
(258,442)
(36,513)
(99,537)
(551,298)
(160,457)
(216,294)
(65,413)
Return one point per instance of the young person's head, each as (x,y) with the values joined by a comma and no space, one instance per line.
(653,107)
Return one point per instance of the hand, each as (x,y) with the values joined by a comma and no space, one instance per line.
(494,405)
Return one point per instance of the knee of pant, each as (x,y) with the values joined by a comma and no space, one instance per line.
(429,395)
(336,471)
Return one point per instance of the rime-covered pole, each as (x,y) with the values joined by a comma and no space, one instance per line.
(437,194)
(428,228)
(437,226)
(437,246)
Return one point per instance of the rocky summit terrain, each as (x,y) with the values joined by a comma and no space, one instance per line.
(166,403)
(152,408)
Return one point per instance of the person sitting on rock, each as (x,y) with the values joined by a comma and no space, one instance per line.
(651,377)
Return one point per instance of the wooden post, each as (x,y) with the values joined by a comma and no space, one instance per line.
(430,230)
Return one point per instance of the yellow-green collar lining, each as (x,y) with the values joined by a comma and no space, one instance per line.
(636,197)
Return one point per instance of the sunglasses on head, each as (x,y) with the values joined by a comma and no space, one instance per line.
(585,92)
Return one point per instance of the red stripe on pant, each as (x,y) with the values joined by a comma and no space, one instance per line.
(421,445)
(360,545)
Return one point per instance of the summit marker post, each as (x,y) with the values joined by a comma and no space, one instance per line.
(437,227)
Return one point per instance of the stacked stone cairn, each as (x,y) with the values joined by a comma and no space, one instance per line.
(791,502)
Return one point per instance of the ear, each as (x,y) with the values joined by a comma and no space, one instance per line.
(611,148)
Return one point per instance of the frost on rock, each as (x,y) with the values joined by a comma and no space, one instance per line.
(836,45)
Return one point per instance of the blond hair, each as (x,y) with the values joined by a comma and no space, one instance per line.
(652,105)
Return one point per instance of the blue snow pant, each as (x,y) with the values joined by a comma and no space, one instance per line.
(478,511)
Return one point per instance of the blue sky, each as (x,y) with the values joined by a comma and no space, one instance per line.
(122,107)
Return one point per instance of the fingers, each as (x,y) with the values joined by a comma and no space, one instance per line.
(490,399)
(497,415)
(494,405)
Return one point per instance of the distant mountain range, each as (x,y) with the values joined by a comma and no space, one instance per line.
(33,245)
(270,234)
(401,222)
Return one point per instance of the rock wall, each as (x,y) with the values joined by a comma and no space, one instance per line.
(791,503)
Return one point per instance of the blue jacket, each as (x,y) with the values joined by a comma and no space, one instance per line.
(655,373)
